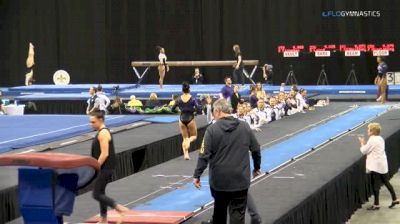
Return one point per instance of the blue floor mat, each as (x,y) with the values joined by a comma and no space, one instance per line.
(72,88)
(188,198)
(163,119)
(54,97)
(24,131)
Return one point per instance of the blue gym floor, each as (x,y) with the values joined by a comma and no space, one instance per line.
(24,131)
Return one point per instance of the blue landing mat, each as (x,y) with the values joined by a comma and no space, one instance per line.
(163,119)
(144,91)
(54,97)
(188,198)
(338,89)
(28,130)
(72,88)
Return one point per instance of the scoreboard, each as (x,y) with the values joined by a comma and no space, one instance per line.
(349,50)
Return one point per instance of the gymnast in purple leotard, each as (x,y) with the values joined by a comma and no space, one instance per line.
(188,107)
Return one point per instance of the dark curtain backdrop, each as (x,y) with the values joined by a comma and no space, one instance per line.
(95,40)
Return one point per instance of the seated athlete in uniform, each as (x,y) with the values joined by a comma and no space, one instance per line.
(188,106)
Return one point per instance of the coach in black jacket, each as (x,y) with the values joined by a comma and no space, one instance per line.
(226,146)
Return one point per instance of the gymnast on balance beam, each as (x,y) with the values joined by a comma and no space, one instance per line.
(163,67)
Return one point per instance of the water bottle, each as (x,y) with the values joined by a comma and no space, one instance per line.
(327,100)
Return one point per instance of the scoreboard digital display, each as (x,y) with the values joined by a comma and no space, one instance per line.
(349,50)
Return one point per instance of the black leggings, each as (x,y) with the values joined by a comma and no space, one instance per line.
(238,76)
(99,192)
(377,179)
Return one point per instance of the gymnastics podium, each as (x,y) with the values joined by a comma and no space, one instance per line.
(48,183)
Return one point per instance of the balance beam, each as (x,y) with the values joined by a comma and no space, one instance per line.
(192,63)
(229,63)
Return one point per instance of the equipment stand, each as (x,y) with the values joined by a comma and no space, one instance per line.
(291,78)
(352,77)
(323,77)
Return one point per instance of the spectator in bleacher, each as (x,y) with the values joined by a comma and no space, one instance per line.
(291,104)
(117,107)
(282,87)
(197,77)
(281,101)
(309,102)
(92,100)
(208,109)
(173,100)
(2,112)
(30,108)
(267,73)
(252,114)
(294,88)
(236,98)
(242,115)
(260,93)
(102,101)
(134,106)
(276,110)
(227,90)
(376,164)
(248,108)
(153,102)
(301,100)
(262,113)
(133,102)
(253,97)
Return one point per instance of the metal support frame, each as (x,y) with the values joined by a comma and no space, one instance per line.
(140,76)
(250,76)
(323,77)
(352,77)
(291,78)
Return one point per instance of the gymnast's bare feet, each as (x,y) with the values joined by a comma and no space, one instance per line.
(103,220)
(186,147)
(122,211)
